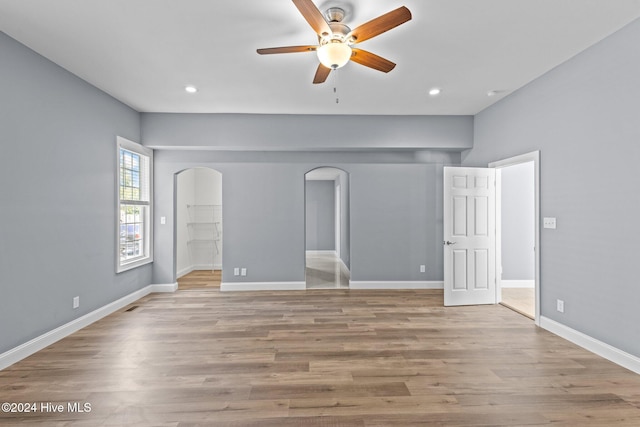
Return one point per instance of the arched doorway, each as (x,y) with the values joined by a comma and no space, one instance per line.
(198,228)
(327,242)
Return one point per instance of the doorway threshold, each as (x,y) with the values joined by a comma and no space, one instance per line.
(510,307)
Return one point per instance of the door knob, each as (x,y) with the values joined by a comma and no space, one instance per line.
(446,242)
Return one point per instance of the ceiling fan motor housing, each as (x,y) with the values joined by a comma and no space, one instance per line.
(335,14)
(339,31)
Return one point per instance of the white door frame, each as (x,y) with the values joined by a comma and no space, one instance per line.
(534,157)
(338,216)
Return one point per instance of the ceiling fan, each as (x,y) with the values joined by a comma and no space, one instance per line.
(336,40)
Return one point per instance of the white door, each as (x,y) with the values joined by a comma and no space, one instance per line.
(469,236)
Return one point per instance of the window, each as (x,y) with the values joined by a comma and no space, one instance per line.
(135,192)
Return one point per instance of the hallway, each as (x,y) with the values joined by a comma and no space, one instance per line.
(325,271)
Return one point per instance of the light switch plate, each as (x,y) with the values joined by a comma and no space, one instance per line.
(549,223)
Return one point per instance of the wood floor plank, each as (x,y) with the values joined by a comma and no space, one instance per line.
(307,391)
(318,358)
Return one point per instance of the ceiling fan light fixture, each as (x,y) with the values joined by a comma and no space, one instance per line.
(334,54)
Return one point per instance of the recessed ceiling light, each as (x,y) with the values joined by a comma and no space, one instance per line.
(435,91)
(495,92)
(191,89)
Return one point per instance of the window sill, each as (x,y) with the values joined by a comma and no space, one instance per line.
(120,268)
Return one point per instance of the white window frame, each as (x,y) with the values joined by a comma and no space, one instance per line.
(147,241)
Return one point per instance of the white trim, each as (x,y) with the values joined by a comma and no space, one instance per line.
(262,286)
(534,157)
(147,258)
(185,271)
(198,267)
(519,284)
(337,196)
(408,284)
(600,348)
(323,252)
(208,266)
(25,350)
(164,288)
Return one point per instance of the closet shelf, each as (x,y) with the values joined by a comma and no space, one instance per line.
(205,232)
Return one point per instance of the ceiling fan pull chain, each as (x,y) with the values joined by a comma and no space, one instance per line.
(335,85)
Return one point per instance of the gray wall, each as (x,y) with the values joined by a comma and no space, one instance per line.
(518,222)
(395,216)
(264,190)
(239,132)
(583,117)
(395,224)
(57,212)
(320,215)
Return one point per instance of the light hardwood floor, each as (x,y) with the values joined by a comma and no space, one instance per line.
(522,300)
(319,358)
(200,279)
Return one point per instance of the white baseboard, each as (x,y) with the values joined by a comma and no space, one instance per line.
(208,266)
(184,271)
(192,268)
(417,284)
(600,348)
(322,252)
(170,287)
(263,286)
(518,284)
(22,351)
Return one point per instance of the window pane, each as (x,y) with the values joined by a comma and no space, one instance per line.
(127,160)
(132,231)
(127,178)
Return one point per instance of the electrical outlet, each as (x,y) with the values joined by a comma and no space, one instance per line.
(560,306)
(243,271)
(76,302)
(236,271)
(549,223)
(423,269)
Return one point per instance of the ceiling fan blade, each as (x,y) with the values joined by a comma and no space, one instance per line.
(372,60)
(313,16)
(380,24)
(286,49)
(321,74)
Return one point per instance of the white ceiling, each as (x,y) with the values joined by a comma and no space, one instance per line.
(144,52)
